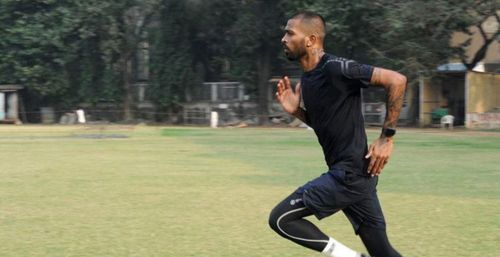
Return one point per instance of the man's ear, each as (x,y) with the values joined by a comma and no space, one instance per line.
(311,40)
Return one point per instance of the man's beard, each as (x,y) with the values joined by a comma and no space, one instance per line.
(291,56)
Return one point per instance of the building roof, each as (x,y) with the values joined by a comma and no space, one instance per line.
(452,68)
(10,87)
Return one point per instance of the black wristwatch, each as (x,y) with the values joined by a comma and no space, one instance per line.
(388,132)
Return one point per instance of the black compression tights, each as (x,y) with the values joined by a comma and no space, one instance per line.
(287,220)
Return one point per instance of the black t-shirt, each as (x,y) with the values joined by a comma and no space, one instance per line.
(332,98)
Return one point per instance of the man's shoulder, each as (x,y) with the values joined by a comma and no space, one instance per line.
(335,64)
(332,59)
(346,67)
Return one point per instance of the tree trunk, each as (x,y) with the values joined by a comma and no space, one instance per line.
(127,87)
(480,54)
(263,74)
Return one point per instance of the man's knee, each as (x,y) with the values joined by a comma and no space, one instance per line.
(273,219)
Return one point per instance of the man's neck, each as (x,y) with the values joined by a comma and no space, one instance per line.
(309,61)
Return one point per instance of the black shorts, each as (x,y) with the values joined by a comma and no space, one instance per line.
(354,194)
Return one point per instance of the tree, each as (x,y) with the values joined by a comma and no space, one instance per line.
(172,58)
(478,12)
(256,46)
(69,52)
(190,45)
(34,52)
(114,32)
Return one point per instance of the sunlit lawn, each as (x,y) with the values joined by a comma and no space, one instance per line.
(151,191)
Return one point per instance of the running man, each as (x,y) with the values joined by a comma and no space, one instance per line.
(330,91)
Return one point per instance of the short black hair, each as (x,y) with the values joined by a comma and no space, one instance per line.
(311,17)
(308,15)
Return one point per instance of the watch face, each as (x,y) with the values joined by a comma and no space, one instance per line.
(388,132)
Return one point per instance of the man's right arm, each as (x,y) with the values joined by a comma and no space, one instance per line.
(289,99)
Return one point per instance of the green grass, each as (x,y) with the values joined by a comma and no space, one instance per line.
(179,192)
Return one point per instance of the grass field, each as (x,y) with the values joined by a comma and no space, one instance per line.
(176,192)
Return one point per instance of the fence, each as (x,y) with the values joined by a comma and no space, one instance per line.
(199,116)
(186,117)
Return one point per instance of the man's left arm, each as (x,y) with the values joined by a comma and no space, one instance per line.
(381,149)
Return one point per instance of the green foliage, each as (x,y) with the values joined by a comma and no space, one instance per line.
(408,36)
(172,59)
(33,49)
(66,52)
(69,52)
(255,37)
